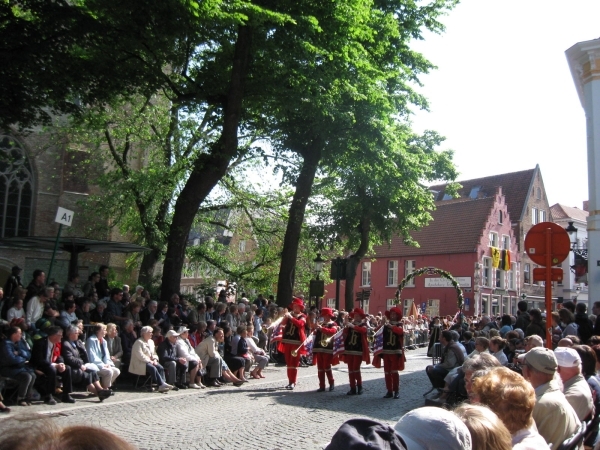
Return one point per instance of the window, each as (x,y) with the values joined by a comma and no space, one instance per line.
(527,273)
(331,303)
(242,245)
(407,305)
(493,239)
(541,216)
(409,267)
(392,279)
(512,276)
(474,192)
(366,274)
(390,303)
(365,306)
(534,216)
(505,242)
(487,272)
(16,189)
(500,218)
(538,193)
(500,278)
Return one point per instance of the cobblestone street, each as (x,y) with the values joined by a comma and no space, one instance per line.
(259,415)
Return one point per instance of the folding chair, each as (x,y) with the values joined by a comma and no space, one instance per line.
(146,382)
(576,440)
(8,385)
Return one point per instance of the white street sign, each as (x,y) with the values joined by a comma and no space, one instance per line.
(64,216)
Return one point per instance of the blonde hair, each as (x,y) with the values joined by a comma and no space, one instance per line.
(111,326)
(487,430)
(509,395)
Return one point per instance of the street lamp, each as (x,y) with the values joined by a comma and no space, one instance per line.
(318,264)
(571,229)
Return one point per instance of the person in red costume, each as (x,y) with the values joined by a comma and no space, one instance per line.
(323,356)
(293,337)
(356,349)
(392,352)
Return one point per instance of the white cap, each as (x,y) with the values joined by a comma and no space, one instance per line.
(567,357)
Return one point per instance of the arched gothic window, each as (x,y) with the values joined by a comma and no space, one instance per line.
(16,189)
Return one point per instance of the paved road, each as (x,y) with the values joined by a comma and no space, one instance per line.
(259,415)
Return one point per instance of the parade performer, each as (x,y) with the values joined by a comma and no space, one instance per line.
(356,349)
(323,355)
(292,339)
(391,350)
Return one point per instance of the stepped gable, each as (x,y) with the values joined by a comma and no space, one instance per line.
(457,227)
(515,188)
(568,212)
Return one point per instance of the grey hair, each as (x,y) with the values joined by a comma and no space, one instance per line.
(146,329)
(72,329)
(101,303)
(483,361)
(128,322)
(152,303)
(455,335)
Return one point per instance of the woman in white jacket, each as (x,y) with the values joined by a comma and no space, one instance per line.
(144,360)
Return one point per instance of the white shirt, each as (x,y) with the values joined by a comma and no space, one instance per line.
(185,350)
(15,314)
(35,310)
(529,439)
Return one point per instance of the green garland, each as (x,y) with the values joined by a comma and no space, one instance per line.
(431,271)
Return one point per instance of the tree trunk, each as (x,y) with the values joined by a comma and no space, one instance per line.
(354,260)
(147,267)
(289,253)
(208,170)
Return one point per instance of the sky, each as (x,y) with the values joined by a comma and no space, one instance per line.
(503,94)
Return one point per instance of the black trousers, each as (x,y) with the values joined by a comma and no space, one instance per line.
(48,382)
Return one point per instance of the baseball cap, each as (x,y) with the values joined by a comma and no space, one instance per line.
(358,434)
(182,330)
(433,428)
(541,359)
(567,357)
(171,333)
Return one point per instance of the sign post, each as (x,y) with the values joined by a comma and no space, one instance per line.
(548,244)
(63,217)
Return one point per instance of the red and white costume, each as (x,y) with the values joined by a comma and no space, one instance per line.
(392,353)
(323,356)
(293,337)
(356,349)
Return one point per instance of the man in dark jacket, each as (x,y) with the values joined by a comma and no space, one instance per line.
(585,327)
(523,320)
(13,282)
(175,367)
(596,312)
(128,338)
(46,357)
(37,285)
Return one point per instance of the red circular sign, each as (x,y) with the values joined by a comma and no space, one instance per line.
(535,243)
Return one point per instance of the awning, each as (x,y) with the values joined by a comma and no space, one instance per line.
(73,245)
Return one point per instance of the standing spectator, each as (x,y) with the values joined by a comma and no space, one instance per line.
(555,418)
(102,288)
(13,282)
(144,360)
(113,343)
(568,320)
(523,319)
(596,312)
(115,308)
(575,387)
(98,353)
(537,325)
(37,285)
(584,324)
(46,357)
(505,325)
(90,286)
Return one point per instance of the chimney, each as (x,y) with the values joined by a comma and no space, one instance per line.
(586,205)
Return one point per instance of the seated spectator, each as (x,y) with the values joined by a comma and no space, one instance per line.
(157,335)
(115,307)
(162,315)
(358,434)
(128,337)
(208,351)
(555,418)
(45,357)
(174,365)
(150,313)
(144,360)
(132,312)
(68,314)
(497,345)
(16,311)
(113,343)
(575,387)
(257,353)
(37,308)
(487,430)
(197,333)
(469,342)
(432,428)
(589,361)
(196,314)
(452,356)
(240,349)
(512,398)
(235,362)
(98,353)
(99,315)
(83,311)
(75,356)
(185,350)
(14,363)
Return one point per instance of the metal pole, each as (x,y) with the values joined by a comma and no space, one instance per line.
(337,283)
(548,288)
(54,252)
